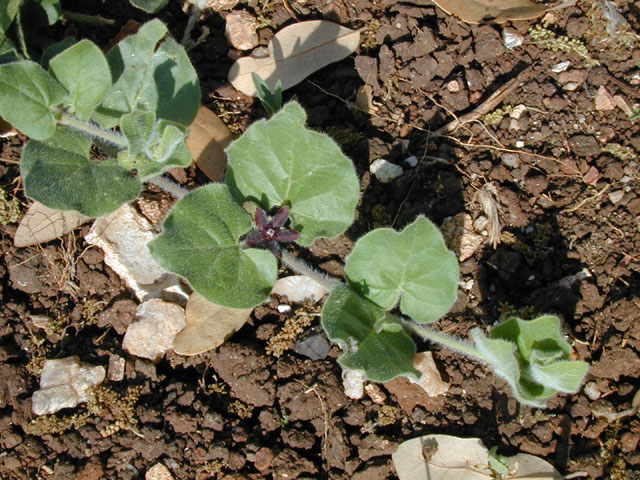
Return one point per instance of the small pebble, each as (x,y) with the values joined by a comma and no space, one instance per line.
(519,144)
(375,393)
(298,288)
(453,86)
(284,308)
(353,383)
(241,30)
(158,472)
(561,67)
(384,170)
(591,390)
(411,161)
(115,372)
(511,160)
(604,100)
(616,196)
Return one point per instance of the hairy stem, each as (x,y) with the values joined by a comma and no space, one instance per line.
(303,268)
(93,131)
(449,341)
(168,186)
(88,19)
(193,16)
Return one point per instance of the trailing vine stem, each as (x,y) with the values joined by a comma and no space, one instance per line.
(449,341)
(91,130)
(304,268)
(168,186)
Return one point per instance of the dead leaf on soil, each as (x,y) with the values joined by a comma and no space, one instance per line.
(42,224)
(6,129)
(295,52)
(440,457)
(497,11)
(208,138)
(364,99)
(208,325)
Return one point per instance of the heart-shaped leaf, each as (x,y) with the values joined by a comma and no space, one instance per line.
(281,162)
(150,72)
(201,242)
(57,173)
(208,325)
(83,70)
(532,357)
(413,265)
(372,338)
(295,52)
(28,93)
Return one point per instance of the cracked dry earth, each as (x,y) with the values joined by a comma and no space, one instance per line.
(563,172)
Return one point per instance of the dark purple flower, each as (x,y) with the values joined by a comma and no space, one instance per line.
(270,233)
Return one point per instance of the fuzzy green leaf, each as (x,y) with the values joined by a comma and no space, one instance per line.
(149,6)
(413,265)
(152,72)
(280,162)
(371,337)
(201,242)
(52,9)
(8,11)
(27,93)
(57,173)
(83,70)
(153,147)
(532,357)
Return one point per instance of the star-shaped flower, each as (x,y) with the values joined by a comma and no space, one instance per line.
(271,234)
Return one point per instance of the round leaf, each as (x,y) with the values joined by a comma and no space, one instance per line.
(201,242)
(27,93)
(373,340)
(58,174)
(279,161)
(83,70)
(152,72)
(413,264)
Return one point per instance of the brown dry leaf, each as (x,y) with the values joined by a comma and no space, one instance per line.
(364,99)
(295,52)
(41,224)
(6,129)
(440,457)
(496,11)
(208,138)
(208,325)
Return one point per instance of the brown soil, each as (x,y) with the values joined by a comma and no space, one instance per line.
(566,204)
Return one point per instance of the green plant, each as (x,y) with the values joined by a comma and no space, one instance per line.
(271,101)
(145,85)
(395,281)
(546,37)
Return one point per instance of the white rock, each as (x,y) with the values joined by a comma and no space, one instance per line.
(218,5)
(561,67)
(592,391)
(65,383)
(431,381)
(241,30)
(511,160)
(284,308)
(298,288)
(158,322)
(158,472)
(353,383)
(453,86)
(518,110)
(519,144)
(616,196)
(512,38)
(604,100)
(123,236)
(385,171)
(411,161)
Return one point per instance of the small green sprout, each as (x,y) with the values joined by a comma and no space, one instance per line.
(271,100)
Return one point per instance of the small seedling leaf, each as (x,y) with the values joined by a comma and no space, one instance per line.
(42,224)
(27,93)
(57,173)
(208,138)
(281,162)
(208,325)
(532,357)
(372,339)
(149,6)
(492,11)
(150,72)
(445,457)
(413,265)
(83,70)
(201,242)
(295,52)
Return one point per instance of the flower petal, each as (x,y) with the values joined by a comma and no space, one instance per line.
(261,218)
(287,236)
(254,238)
(279,218)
